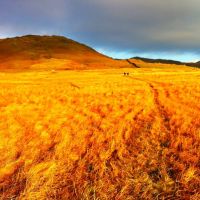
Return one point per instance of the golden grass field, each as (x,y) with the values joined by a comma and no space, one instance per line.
(97,134)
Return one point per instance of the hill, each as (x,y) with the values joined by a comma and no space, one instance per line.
(165,61)
(34,52)
(197,64)
(52,52)
(156,64)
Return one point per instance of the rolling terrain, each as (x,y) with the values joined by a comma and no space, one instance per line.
(75,124)
(68,135)
(34,52)
(170,62)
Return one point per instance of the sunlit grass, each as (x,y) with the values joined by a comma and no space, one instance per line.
(100,135)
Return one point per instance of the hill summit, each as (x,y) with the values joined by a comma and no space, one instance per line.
(52,52)
(34,52)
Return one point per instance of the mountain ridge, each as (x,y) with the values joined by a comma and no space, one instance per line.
(58,52)
(167,61)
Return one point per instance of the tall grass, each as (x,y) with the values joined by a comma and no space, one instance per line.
(100,135)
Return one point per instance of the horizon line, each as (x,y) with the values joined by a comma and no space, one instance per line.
(137,55)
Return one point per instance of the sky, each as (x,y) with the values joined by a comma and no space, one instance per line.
(118,28)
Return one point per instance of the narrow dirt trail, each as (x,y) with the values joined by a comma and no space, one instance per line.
(132,63)
(162,113)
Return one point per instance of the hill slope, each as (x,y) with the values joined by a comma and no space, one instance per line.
(197,64)
(165,62)
(35,52)
(51,52)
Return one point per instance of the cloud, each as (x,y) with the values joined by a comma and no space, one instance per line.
(38,16)
(143,25)
(137,27)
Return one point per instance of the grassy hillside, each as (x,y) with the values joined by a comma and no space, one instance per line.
(156,65)
(36,52)
(55,52)
(165,62)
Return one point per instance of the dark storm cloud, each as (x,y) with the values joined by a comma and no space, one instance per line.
(134,26)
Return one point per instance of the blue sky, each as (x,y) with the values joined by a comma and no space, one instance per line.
(121,29)
(181,56)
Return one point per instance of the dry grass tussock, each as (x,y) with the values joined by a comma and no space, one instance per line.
(100,135)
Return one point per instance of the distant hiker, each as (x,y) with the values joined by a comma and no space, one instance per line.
(126,74)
